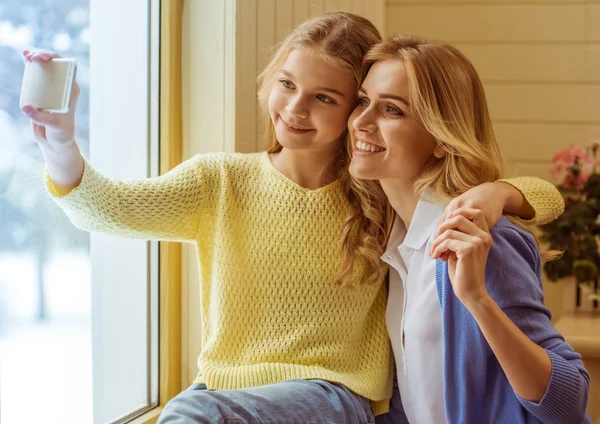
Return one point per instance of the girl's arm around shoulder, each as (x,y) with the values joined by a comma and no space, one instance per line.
(539,203)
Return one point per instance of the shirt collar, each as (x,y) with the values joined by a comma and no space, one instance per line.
(428,212)
(424,222)
(397,235)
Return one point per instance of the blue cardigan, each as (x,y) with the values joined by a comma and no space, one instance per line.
(476,390)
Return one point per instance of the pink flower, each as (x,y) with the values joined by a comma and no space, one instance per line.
(563,156)
(575,158)
(575,183)
(558,172)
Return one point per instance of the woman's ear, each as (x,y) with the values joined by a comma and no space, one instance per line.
(438,152)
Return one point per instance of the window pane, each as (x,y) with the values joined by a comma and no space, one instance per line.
(122,122)
(45,308)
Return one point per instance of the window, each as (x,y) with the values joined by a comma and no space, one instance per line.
(78,312)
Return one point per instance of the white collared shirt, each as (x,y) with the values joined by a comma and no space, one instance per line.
(413,309)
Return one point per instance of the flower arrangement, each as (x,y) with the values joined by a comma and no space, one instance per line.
(577,231)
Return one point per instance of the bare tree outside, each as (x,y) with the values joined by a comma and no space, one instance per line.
(44,261)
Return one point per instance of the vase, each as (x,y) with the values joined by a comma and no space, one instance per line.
(569,294)
(586,303)
(560,297)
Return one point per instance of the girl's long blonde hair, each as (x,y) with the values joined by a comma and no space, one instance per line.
(447,96)
(341,40)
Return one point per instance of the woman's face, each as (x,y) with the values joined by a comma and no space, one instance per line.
(388,141)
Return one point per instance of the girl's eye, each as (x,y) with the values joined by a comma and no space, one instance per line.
(362,102)
(286,83)
(394,111)
(325,99)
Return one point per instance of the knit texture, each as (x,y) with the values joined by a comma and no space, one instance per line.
(268,252)
(542,195)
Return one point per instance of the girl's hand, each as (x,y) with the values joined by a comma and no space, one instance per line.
(53,129)
(490,198)
(465,241)
(55,134)
(493,199)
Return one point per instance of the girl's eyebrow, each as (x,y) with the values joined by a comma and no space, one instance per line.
(331,90)
(388,96)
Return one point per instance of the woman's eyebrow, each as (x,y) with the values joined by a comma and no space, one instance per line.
(388,96)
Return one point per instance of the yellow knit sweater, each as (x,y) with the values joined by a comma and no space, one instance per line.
(268,255)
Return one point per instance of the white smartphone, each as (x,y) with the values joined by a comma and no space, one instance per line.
(47,85)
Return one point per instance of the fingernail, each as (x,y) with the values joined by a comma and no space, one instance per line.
(27,110)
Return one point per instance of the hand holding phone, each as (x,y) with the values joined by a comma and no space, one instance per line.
(49,96)
(55,132)
(47,85)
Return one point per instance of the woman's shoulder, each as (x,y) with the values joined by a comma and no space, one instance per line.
(511,239)
(513,272)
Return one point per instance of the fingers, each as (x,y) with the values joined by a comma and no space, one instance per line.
(444,257)
(474,214)
(39,55)
(41,118)
(464,224)
(453,245)
(74,96)
(39,132)
(449,209)
(436,248)
(467,220)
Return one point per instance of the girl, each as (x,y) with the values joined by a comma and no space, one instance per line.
(287,336)
(472,339)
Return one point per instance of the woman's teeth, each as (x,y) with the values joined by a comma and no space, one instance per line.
(366,147)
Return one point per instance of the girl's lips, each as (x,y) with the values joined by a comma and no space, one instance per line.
(294,128)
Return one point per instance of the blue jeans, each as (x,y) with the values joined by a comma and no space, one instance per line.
(294,401)
(396,414)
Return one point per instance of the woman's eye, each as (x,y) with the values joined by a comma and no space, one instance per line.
(325,99)
(362,102)
(287,84)
(394,111)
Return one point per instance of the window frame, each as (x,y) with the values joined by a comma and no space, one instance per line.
(144,268)
(170,254)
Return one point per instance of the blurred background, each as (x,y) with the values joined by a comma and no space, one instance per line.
(45,335)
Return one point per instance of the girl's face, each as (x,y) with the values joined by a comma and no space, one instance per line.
(310,102)
(389,141)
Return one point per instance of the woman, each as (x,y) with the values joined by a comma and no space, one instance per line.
(472,338)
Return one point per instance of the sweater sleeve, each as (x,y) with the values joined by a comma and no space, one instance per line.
(542,195)
(514,281)
(167,208)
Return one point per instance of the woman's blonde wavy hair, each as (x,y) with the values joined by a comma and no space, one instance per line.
(341,40)
(447,96)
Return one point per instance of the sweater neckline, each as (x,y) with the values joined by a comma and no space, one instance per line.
(269,165)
